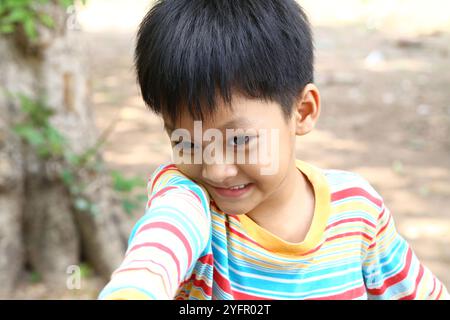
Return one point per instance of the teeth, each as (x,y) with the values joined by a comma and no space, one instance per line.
(238,187)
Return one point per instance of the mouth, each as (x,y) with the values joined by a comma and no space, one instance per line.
(234,191)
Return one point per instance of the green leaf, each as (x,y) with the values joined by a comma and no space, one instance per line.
(66,3)
(30,29)
(31,135)
(56,141)
(35,277)
(43,151)
(85,270)
(26,104)
(7,28)
(141,198)
(129,206)
(123,184)
(72,159)
(17,15)
(17,3)
(67,177)
(47,20)
(36,110)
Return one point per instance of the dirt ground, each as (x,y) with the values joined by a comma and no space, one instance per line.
(386,115)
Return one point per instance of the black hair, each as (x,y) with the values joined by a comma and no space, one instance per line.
(189,52)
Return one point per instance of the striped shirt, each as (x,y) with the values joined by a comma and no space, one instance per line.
(351,251)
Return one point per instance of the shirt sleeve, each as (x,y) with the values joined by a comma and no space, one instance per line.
(166,242)
(391,269)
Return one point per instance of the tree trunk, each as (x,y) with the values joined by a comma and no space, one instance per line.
(39,226)
(11,176)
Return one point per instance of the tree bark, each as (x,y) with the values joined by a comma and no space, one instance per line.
(39,225)
(11,177)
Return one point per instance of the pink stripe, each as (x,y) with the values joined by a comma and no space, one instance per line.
(159,193)
(351,220)
(352,192)
(172,229)
(195,195)
(152,261)
(163,248)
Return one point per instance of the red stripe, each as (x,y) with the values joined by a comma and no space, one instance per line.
(195,195)
(353,192)
(419,277)
(222,282)
(245,296)
(165,169)
(313,250)
(349,234)
(163,248)
(347,295)
(372,245)
(395,278)
(440,291)
(434,287)
(159,193)
(174,230)
(241,235)
(202,284)
(360,219)
(384,227)
(207,259)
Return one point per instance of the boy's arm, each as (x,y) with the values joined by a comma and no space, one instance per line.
(391,269)
(166,242)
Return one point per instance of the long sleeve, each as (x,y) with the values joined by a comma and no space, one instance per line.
(166,242)
(391,269)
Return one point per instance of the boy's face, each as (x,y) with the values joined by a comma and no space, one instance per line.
(255,131)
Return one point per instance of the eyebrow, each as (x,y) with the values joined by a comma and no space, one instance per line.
(236,123)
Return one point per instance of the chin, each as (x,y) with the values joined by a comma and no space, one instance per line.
(234,210)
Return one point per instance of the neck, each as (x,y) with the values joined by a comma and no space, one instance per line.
(285,212)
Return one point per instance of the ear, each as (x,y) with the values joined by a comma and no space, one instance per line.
(307,109)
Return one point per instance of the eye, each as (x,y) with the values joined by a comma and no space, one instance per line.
(240,140)
(186,146)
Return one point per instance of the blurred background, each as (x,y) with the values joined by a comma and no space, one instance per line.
(76,137)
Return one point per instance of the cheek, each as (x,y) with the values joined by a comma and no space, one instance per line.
(192,171)
(265,183)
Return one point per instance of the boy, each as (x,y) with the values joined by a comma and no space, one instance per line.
(272,228)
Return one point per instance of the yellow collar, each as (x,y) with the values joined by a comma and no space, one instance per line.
(322,211)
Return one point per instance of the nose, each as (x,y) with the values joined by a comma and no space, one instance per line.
(218,173)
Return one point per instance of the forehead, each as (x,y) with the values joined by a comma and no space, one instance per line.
(243,113)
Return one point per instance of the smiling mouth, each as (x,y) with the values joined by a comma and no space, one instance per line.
(234,191)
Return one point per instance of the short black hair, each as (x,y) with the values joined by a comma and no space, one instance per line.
(189,52)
